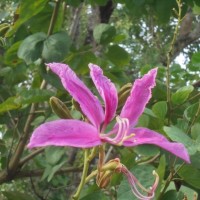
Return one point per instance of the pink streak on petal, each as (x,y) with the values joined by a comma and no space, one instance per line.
(107,91)
(139,97)
(147,136)
(89,104)
(73,133)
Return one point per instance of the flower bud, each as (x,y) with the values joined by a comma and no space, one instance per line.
(59,108)
(123,94)
(103,178)
(106,171)
(77,107)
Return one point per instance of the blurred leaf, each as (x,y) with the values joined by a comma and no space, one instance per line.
(149,112)
(16,75)
(118,56)
(80,60)
(147,150)
(104,33)
(11,57)
(173,195)
(35,95)
(182,94)
(195,130)
(37,121)
(9,104)
(56,47)
(160,109)
(31,48)
(143,121)
(177,135)
(195,160)
(74,3)
(161,173)
(190,175)
(27,9)
(97,195)
(191,111)
(54,170)
(164,8)
(54,154)
(15,195)
(5,71)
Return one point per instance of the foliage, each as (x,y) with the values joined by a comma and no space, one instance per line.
(126,38)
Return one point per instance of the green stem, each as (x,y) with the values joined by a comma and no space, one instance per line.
(84,175)
(169,54)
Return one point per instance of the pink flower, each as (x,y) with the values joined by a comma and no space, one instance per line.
(76,133)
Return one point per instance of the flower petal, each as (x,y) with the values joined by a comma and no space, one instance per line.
(147,136)
(139,97)
(107,91)
(89,104)
(63,132)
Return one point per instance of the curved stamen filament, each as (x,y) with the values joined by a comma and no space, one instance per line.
(122,131)
(133,182)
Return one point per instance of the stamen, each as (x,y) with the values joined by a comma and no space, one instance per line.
(133,182)
(121,135)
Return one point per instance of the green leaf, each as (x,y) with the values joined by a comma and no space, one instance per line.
(194,64)
(143,121)
(11,57)
(196,9)
(118,56)
(35,95)
(195,130)
(160,109)
(56,47)
(97,195)
(144,174)
(27,9)
(54,154)
(147,150)
(191,111)
(173,195)
(161,173)
(182,94)
(30,49)
(10,104)
(80,60)
(54,170)
(149,112)
(104,33)
(163,9)
(190,175)
(177,135)
(195,160)
(15,195)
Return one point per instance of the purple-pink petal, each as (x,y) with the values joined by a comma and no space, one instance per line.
(107,91)
(89,104)
(139,97)
(63,132)
(147,136)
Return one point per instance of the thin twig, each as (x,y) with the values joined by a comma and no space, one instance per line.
(169,56)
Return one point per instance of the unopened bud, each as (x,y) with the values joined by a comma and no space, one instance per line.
(123,94)
(103,178)
(59,108)
(77,106)
(106,171)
